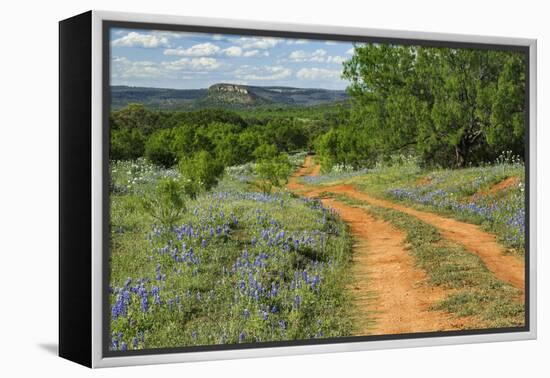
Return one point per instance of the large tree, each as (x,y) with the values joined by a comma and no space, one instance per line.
(450,106)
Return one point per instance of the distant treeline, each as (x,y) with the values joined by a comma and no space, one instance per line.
(229,137)
(449,107)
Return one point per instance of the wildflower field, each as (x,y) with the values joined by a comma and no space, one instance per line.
(240,266)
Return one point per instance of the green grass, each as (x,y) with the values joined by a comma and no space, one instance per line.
(255,268)
(475,291)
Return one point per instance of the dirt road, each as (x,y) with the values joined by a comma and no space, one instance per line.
(391,293)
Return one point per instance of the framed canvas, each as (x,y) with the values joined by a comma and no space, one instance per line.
(236,189)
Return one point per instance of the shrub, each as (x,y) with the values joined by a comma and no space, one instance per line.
(159,148)
(166,204)
(272,172)
(127,144)
(200,172)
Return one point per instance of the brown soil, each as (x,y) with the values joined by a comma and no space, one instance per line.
(391,293)
(506,267)
(504,184)
(424,181)
(392,296)
(498,187)
(306,169)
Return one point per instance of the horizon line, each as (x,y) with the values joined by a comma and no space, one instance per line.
(226,83)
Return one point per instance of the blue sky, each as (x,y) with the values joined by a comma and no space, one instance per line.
(184,60)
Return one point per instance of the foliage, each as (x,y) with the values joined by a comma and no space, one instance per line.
(127,144)
(166,204)
(159,150)
(272,172)
(199,173)
(452,107)
(135,116)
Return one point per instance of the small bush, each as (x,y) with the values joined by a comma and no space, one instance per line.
(199,172)
(158,148)
(166,204)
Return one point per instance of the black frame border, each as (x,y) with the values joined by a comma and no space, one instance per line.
(107,25)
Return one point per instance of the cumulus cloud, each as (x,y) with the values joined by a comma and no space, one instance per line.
(296,41)
(317,74)
(192,64)
(350,51)
(124,68)
(266,73)
(255,53)
(233,51)
(149,41)
(318,55)
(257,42)
(335,59)
(202,49)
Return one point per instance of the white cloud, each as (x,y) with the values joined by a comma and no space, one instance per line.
(296,41)
(124,68)
(255,53)
(331,43)
(335,59)
(304,56)
(192,64)
(350,51)
(233,51)
(257,42)
(267,73)
(217,37)
(202,49)
(149,41)
(317,73)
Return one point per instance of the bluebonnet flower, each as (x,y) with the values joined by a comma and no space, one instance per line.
(297,301)
(144,304)
(155,291)
(242,336)
(123,347)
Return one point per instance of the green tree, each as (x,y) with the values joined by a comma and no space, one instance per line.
(135,116)
(126,144)
(450,106)
(159,148)
(272,172)
(200,172)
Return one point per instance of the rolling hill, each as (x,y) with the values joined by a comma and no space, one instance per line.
(223,95)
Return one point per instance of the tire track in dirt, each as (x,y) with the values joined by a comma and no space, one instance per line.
(391,294)
(505,267)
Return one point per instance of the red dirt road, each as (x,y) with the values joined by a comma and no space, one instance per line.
(391,293)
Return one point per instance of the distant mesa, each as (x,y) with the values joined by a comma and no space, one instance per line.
(224,95)
(222,87)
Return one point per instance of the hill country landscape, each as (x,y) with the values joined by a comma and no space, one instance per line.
(277,189)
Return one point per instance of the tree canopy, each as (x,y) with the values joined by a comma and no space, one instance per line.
(451,107)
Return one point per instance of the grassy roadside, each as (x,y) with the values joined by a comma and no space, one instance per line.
(475,291)
(239,266)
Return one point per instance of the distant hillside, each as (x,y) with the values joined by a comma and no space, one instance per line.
(155,98)
(222,95)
